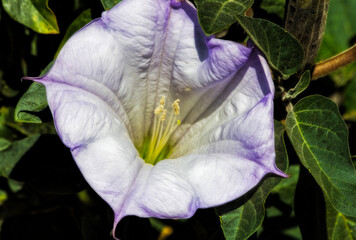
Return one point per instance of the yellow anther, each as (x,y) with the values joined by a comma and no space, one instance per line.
(162,130)
(159,110)
(176,107)
(164,114)
(162,100)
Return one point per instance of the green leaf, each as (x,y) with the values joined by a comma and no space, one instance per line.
(282,50)
(339,33)
(4,143)
(302,84)
(350,101)
(34,14)
(6,129)
(283,209)
(320,138)
(286,188)
(10,156)
(78,23)
(243,221)
(14,185)
(108,4)
(338,225)
(34,100)
(274,6)
(216,15)
(3,197)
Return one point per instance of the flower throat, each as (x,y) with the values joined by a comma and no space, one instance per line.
(156,148)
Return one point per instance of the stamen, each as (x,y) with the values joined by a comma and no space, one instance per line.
(176,107)
(162,100)
(163,115)
(159,137)
(159,110)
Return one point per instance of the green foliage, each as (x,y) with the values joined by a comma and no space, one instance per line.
(339,32)
(242,222)
(320,138)
(283,52)
(274,6)
(216,15)
(78,23)
(33,101)
(108,4)
(284,211)
(350,101)
(34,14)
(340,28)
(7,133)
(302,84)
(4,143)
(286,188)
(338,225)
(10,156)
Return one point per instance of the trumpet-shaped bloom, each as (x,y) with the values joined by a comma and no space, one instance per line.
(161,119)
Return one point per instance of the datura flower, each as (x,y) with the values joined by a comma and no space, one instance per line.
(160,118)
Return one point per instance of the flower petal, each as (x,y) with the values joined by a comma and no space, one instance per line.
(141,50)
(239,155)
(98,140)
(106,82)
(249,85)
(223,161)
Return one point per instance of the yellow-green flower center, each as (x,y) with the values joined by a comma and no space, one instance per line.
(156,148)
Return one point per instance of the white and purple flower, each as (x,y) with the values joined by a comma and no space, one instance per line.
(161,119)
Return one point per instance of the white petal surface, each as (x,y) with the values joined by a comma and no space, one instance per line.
(141,50)
(106,82)
(106,155)
(235,157)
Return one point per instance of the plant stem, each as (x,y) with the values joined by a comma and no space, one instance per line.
(332,64)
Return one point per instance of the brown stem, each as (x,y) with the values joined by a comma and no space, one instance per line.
(327,66)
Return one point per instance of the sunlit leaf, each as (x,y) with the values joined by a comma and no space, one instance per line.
(216,15)
(320,138)
(282,50)
(34,14)
(242,222)
(108,4)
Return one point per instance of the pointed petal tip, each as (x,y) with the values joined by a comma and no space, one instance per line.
(116,221)
(280,173)
(34,79)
